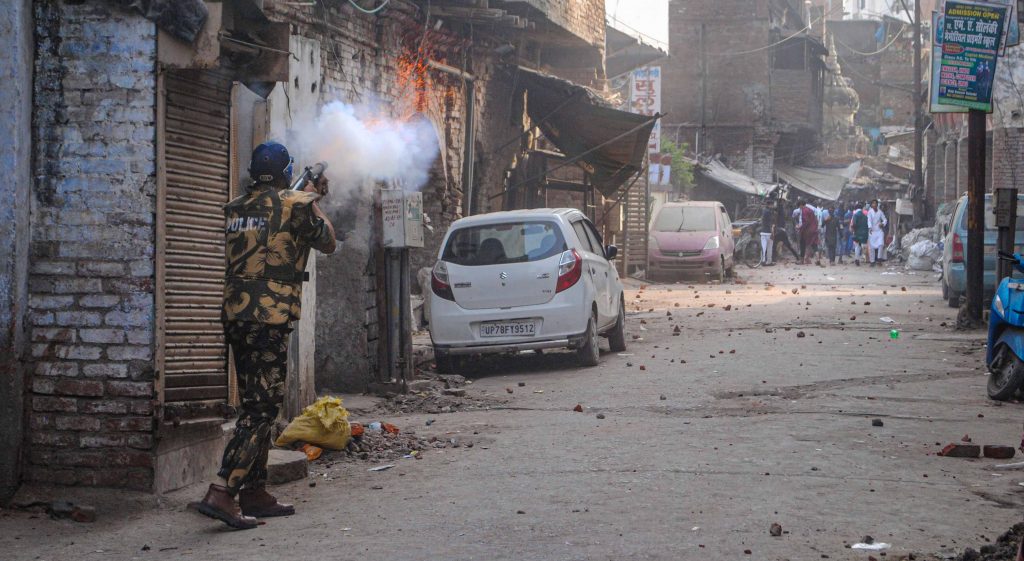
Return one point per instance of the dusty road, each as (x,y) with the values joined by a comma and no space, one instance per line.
(708,437)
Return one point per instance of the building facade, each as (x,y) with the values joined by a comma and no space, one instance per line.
(125,140)
(745,82)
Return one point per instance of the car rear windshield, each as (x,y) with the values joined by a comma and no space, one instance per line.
(990,216)
(685,219)
(497,244)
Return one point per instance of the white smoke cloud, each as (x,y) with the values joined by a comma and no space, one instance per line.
(362,145)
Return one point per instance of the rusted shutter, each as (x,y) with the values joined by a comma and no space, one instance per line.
(197,126)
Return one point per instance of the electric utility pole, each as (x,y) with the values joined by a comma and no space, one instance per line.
(921,197)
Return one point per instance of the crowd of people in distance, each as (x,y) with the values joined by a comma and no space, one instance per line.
(854,231)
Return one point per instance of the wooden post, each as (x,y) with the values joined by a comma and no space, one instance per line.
(1006,222)
(975,212)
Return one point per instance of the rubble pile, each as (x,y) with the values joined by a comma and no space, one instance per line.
(435,394)
(1004,549)
(383,446)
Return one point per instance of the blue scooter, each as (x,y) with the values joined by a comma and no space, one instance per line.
(1005,349)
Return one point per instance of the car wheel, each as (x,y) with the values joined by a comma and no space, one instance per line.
(953,298)
(590,352)
(445,363)
(720,273)
(617,336)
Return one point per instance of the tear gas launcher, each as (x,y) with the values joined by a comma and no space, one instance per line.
(311,173)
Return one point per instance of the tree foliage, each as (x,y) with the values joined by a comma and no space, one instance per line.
(682,170)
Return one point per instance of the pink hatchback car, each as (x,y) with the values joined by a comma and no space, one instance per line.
(692,238)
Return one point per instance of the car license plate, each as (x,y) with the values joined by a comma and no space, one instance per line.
(508,329)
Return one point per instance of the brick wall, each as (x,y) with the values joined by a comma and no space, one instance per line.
(361,59)
(582,18)
(1008,158)
(950,166)
(737,86)
(794,99)
(91,306)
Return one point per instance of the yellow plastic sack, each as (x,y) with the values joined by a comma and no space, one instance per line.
(324,423)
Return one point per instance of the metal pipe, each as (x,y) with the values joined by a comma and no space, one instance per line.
(442,67)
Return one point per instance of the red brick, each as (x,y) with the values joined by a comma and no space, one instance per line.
(961,451)
(107,477)
(112,407)
(40,403)
(998,452)
(40,421)
(84,388)
(129,389)
(53,438)
(132,459)
(44,386)
(141,407)
(133,424)
(83,458)
(140,441)
(140,479)
(101,440)
(78,423)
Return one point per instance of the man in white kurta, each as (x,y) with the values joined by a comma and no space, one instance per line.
(876,236)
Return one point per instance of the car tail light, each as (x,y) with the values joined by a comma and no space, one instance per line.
(439,282)
(570,269)
(958,250)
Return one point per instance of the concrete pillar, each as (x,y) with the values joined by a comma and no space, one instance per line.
(931,145)
(951,173)
(961,167)
(16,42)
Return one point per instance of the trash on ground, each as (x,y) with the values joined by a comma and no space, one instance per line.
(324,423)
(886,319)
(312,452)
(382,468)
(875,546)
(775,530)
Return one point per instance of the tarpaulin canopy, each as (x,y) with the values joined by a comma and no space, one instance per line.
(716,171)
(607,143)
(821,183)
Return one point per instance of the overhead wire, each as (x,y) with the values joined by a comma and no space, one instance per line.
(369,11)
(808,27)
(879,51)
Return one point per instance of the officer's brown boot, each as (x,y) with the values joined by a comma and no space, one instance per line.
(219,504)
(261,504)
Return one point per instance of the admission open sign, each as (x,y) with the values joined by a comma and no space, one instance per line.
(971,37)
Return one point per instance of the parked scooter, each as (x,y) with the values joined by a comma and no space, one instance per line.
(1005,349)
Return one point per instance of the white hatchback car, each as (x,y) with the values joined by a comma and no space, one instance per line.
(522,280)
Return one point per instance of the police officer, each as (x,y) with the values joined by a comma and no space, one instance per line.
(270,231)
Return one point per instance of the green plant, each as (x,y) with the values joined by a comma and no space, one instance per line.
(682,170)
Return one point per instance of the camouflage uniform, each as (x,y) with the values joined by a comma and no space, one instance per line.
(269,236)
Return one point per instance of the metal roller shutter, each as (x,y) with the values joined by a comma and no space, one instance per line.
(197,185)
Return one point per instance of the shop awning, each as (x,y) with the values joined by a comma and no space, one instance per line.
(821,183)
(607,143)
(717,172)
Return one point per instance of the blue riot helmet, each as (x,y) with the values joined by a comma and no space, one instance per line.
(270,162)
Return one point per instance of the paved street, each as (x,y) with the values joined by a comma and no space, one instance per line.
(708,437)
